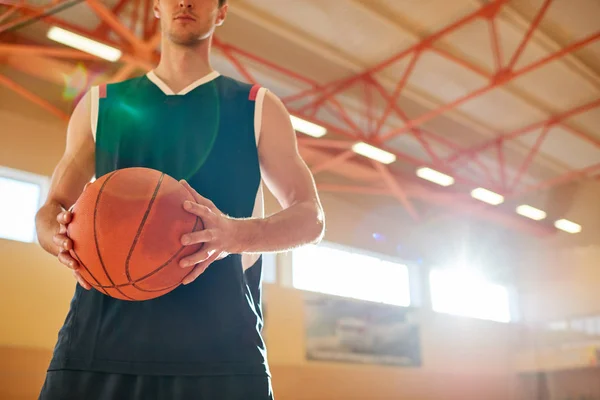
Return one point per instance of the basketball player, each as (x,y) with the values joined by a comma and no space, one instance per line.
(223,139)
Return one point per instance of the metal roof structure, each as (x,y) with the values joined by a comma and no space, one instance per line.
(501,95)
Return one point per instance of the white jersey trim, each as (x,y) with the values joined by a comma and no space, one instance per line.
(258,112)
(169,92)
(94,97)
(258,211)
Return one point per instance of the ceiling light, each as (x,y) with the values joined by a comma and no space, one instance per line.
(308,128)
(374,153)
(84,44)
(567,226)
(531,212)
(487,196)
(435,176)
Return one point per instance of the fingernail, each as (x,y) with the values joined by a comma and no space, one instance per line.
(188,205)
(65,244)
(185,240)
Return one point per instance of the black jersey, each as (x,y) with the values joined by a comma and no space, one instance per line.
(208,135)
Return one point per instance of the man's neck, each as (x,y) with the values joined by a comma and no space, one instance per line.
(180,66)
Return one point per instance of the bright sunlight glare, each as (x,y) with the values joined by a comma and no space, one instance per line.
(464,293)
(343,273)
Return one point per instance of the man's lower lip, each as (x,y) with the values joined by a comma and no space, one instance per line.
(185,19)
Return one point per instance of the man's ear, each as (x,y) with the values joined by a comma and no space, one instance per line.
(222,15)
(156,10)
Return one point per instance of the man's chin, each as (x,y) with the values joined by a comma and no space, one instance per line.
(188,38)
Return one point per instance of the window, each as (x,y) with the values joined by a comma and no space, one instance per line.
(269,266)
(21,195)
(461,292)
(326,269)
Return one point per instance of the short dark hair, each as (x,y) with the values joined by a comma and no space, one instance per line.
(222,3)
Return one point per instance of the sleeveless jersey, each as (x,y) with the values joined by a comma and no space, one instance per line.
(208,135)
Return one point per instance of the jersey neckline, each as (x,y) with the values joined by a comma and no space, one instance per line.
(169,92)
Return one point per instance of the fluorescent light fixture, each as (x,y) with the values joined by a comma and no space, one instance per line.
(567,226)
(373,152)
(531,212)
(308,128)
(487,196)
(84,44)
(435,176)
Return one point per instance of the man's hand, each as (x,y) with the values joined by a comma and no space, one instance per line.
(62,240)
(218,236)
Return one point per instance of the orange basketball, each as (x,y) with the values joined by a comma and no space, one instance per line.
(126,231)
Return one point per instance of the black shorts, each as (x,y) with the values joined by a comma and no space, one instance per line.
(84,385)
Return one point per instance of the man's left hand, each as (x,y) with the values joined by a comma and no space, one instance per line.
(218,235)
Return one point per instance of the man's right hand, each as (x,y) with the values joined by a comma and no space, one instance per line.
(62,240)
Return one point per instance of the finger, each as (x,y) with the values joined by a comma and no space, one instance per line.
(65,258)
(84,284)
(202,211)
(62,241)
(199,269)
(64,217)
(199,198)
(197,257)
(203,236)
(192,191)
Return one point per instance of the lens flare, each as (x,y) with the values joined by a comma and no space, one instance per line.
(76,83)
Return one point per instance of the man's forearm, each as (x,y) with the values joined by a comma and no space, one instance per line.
(299,224)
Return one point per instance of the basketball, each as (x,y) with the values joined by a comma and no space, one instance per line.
(126,231)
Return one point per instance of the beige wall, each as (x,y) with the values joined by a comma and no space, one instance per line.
(559,277)
(463,358)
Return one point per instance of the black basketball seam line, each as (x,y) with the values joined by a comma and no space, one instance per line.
(96,233)
(132,283)
(164,265)
(97,285)
(141,228)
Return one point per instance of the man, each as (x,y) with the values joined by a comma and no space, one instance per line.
(223,139)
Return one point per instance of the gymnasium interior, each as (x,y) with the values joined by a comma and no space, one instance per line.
(455,145)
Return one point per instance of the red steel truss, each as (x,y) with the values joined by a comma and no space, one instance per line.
(139,52)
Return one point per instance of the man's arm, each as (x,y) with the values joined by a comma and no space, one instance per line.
(287,176)
(73,171)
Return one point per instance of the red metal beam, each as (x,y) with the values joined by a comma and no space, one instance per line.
(558,180)
(103,28)
(532,153)
(117,26)
(501,79)
(33,12)
(534,24)
(342,84)
(465,64)
(326,98)
(495,40)
(332,162)
(329,187)
(21,91)
(11,10)
(518,132)
(396,189)
(501,165)
(393,100)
